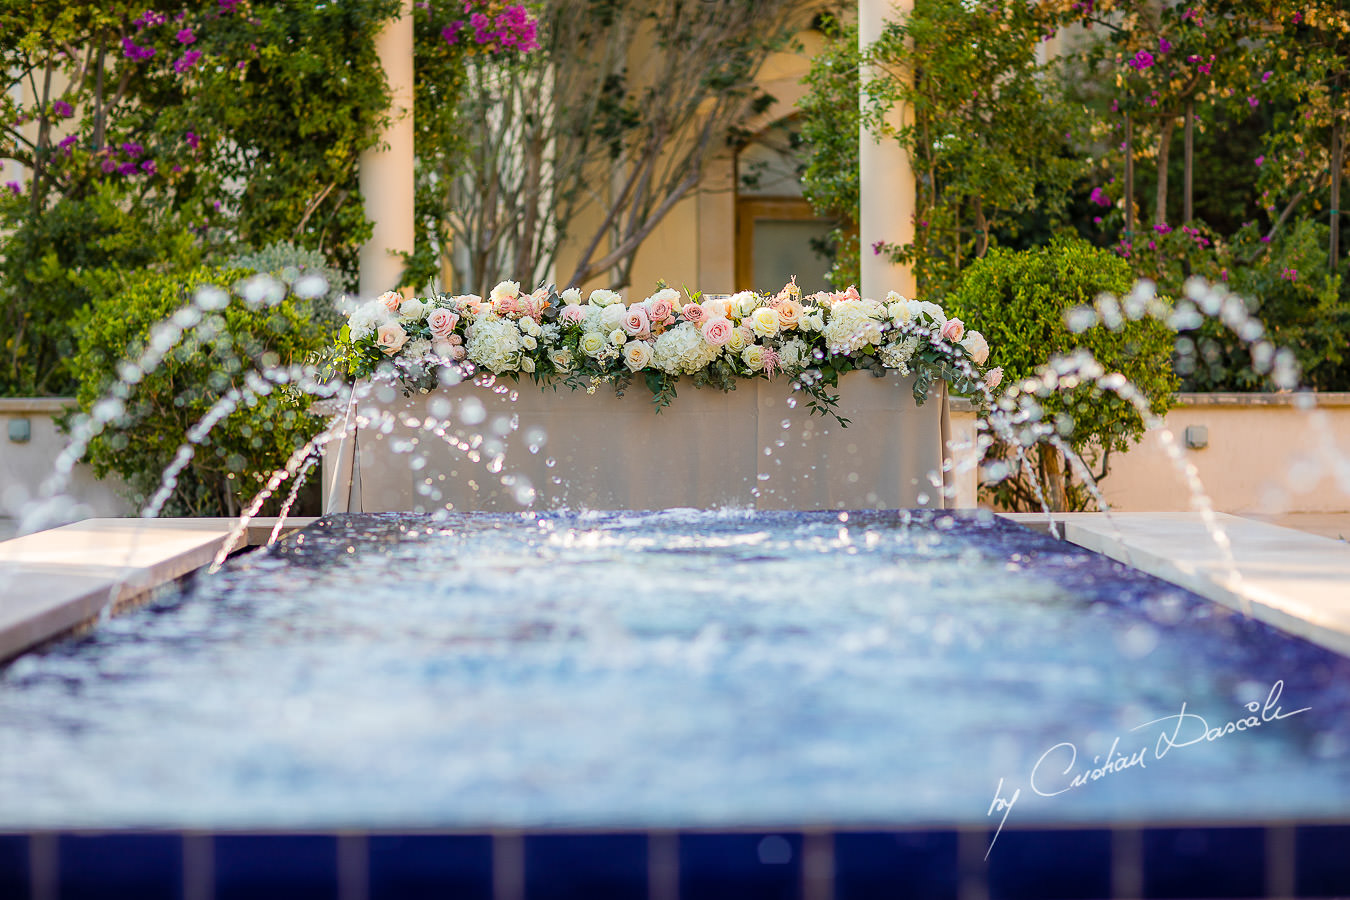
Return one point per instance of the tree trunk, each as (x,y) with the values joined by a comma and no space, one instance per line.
(1052,474)
(981,230)
(1164,153)
(1187,182)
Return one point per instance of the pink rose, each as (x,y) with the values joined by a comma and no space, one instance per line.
(392,300)
(993,378)
(717,331)
(635,321)
(391,338)
(442,323)
(659,310)
(851,293)
(505,305)
(693,313)
(954,329)
(572,314)
(533,305)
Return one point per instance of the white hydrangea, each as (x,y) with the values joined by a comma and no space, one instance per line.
(853,325)
(494,344)
(897,355)
(793,355)
(367,319)
(417,349)
(682,350)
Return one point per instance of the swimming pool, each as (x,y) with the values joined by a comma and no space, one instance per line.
(680,669)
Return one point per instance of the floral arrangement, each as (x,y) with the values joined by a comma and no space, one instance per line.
(555,336)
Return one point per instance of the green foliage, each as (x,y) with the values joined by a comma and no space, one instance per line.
(1019,300)
(982,155)
(213,358)
(290,263)
(1286,285)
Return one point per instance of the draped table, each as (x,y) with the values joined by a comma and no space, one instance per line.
(550,448)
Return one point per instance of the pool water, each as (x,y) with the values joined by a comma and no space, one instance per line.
(671,669)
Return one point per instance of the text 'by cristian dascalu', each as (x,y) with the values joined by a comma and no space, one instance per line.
(1059,770)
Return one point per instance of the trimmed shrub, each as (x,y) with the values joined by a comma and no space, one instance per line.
(1019,301)
(223,351)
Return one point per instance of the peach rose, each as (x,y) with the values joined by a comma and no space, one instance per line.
(717,331)
(659,309)
(954,329)
(635,321)
(392,300)
(993,378)
(790,314)
(391,338)
(442,323)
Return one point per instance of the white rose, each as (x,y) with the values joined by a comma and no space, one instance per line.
(978,348)
(637,354)
(505,290)
(612,316)
(529,326)
(592,342)
(617,337)
(765,321)
(571,296)
(753,357)
(814,322)
(528,342)
(670,295)
(412,310)
(603,297)
(561,359)
(744,303)
(526,364)
(898,311)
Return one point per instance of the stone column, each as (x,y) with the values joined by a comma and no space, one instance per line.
(888,190)
(386,171)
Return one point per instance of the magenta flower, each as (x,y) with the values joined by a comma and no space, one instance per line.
(108,166)
(1260,160)
(14,187)
(63,109)
(1099,197)
(1253,102)
(1266,76)
(133,149)
(1141,61)
(149,167)
(185,62)
(1164,45)
(134,52)
(128,168)
(192,140)
(66,142)
(186,36)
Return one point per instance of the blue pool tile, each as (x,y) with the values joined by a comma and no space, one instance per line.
(413,867)
(1323,861)
(260,867)
(754,866)
(1204,862)
(583,866)
(1050,864)
(14,865)
(145,866)
(881,864)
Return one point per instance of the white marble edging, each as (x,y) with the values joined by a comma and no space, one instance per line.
(57,580)
(1291,580)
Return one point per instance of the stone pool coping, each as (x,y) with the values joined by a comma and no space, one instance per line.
(60,580)
(1291,580)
